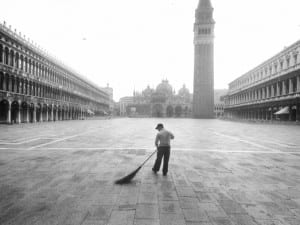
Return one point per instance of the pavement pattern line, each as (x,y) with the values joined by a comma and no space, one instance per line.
(242,140)
(24,142)
(62,139)
(275,142)
(147,149)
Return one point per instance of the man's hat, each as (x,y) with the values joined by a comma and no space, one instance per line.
(160,125)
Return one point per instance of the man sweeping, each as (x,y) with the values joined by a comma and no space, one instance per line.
(162,142)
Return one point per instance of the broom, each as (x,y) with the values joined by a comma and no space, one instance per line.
(129,177)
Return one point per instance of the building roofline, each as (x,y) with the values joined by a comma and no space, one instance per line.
(281,53)
(43,53)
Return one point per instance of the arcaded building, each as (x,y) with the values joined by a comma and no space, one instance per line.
(203,97)
(270,91)
(35,87)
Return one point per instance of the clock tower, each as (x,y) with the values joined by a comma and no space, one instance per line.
(203,96)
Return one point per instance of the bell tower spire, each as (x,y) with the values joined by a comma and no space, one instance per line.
(203,97)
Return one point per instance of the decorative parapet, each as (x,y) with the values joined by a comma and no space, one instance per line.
(23,40)
(284,62)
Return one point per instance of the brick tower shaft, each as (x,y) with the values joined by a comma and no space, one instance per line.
(203,98)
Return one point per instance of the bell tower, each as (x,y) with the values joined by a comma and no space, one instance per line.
(203,96)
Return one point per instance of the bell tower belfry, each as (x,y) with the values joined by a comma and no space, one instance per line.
(203,96)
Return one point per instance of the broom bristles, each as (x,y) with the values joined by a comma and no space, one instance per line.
(128,178)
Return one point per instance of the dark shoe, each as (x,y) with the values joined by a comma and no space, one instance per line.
(164,174)
(154,171)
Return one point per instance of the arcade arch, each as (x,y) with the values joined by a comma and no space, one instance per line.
(157,110)
(170,111)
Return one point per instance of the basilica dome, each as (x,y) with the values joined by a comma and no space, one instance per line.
(164,88)
(147,92)
(184,92)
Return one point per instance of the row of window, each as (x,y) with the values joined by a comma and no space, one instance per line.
(276,89)
(17,57)
(204,31)
(291,58)
(25,87)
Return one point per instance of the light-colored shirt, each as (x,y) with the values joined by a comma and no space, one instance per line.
(163,138)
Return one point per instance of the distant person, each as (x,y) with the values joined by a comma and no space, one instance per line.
(162,143)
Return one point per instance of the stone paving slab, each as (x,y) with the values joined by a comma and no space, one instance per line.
(65,173)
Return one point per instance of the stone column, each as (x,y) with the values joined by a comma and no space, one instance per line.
(41,115)
(18,120)
(27,114)
(283,88)
(51,116)
(278,89)
(291,86)
(298,113)
(271,117)
(34,114)
(8,117)
(47,114)
(298,83)
(56,115)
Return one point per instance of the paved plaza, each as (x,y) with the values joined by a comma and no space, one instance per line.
(221,173)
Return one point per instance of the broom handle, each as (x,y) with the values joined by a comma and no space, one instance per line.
(148,158)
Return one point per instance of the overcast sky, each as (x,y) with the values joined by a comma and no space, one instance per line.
(134,43)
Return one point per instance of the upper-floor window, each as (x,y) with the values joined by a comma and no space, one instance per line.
(281,65)
(1,53)
(266,71)
(288,62)
(275,67)
(295,58)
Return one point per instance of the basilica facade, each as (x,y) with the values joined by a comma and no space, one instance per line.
(162,101)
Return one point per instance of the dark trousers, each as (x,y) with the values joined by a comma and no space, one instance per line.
(162,152)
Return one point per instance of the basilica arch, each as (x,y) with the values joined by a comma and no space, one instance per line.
(158,110)
(170,111)
(178,111)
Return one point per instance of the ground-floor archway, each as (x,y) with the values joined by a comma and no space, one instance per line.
(178,111)
(38,113)
(15,112)
(24,112)
(4,105)
(157,110)
(170,111)
(32,118)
